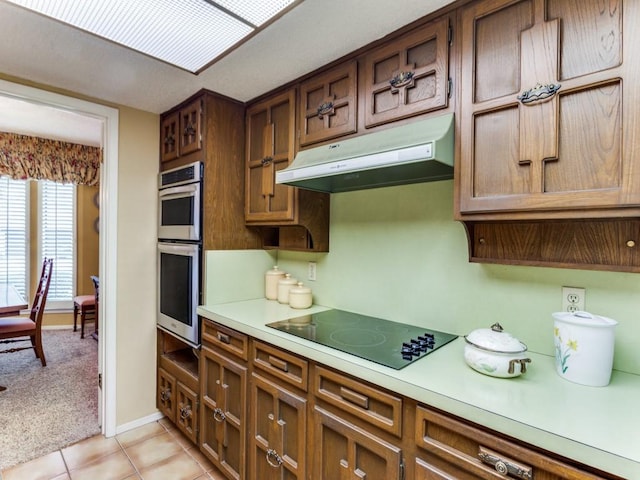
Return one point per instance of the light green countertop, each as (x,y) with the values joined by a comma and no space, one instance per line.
(597,426)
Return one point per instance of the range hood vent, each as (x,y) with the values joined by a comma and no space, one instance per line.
(420,151)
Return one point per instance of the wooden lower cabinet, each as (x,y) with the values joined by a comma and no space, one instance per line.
(448,448)
(342,450)
(265,413)
(278,424)
(223,417)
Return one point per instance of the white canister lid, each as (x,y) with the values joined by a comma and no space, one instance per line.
(287,280)
(494,339)
(275,271)
(300,289)
(584,319)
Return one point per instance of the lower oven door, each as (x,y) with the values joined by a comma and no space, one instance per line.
(179,290)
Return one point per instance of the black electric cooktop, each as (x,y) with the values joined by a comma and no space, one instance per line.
(392,344)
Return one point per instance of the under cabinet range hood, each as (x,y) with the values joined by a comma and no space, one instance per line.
(420,151)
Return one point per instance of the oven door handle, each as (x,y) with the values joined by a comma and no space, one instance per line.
(175,192)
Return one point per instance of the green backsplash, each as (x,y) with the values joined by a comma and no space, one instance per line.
(398,254)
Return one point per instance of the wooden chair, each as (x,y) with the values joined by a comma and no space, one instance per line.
(86,306)
(22,329)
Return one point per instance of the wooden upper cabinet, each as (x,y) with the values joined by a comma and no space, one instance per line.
(191,127)
(549,109)
(328,104)
(270,147)
(181,131)
(409,75)
(169,126)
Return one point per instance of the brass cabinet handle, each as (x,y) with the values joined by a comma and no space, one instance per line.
(505,466)
(185,412)
(266,161)
(401,79)
(539,93)
(165,394)
(325,108)
(273,458)
(218,415)
(224,338)
(189,129)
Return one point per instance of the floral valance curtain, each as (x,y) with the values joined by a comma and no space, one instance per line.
(23,157)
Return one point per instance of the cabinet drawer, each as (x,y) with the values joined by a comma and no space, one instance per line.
(225,338)
(286,367)
(376,407)
(467,451)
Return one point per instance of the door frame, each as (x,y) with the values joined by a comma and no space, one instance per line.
(108,233)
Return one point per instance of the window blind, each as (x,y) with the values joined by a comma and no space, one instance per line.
(13,233)
(57,235)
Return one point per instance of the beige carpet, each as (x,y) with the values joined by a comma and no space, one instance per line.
(47,408)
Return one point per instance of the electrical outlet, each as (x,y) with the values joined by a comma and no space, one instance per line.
(573,299)
(311,270)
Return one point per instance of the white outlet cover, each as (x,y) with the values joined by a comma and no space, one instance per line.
(573,299)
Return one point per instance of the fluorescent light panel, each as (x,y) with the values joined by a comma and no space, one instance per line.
(189,34)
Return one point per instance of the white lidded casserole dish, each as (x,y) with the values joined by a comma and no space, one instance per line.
(496,353)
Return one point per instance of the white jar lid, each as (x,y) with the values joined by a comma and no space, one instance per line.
(495,340)
(585,319)
(287,280)
(275,271)
(299,289)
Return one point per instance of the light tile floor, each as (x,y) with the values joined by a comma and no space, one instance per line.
(156,451)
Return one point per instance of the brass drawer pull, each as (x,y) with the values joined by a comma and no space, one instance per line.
(279,364)
(273,458)
(218,415)
(165,394)
(185,412)
(539,93)
(224,338)
(505,466)
(355,398)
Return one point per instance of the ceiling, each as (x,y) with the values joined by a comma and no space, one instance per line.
(36,48)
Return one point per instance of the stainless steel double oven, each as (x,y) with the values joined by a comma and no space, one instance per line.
(180,251)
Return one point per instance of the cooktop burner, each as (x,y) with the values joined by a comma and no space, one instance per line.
(389,343)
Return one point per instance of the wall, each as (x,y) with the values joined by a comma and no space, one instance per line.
(396,253)
(135,315)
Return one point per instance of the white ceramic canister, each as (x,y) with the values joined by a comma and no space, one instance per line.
(300,296)
(584,346)
(271,278)
(284,284)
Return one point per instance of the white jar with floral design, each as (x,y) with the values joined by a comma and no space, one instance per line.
(584,346)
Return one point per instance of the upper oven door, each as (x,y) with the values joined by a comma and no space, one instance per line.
(179,213)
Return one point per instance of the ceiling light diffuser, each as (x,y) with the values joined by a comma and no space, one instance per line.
(190,34)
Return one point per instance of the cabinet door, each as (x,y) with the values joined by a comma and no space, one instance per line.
(270,147)
(409,75)
(342,450)
(328,104)
(191,127)
(223,415)
(166,394)
(169,137)
(277,449)
(187,412)
(546,124)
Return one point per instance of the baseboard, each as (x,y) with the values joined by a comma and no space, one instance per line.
(154,417)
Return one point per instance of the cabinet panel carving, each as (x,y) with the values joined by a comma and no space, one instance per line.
(328,105)
(409,75)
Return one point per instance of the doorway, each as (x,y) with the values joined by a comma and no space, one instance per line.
(108,231)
